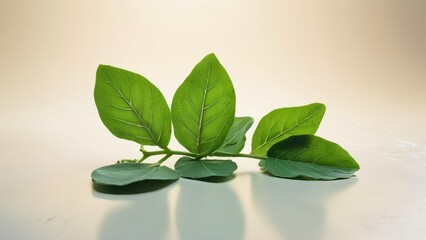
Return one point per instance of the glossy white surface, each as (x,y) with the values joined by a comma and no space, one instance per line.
(47,193)
(364,60)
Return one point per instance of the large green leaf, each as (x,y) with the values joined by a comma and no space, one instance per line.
(127,173)
(236,137)
(131,107)
(191,168)
(203,107)
(309,156)
(284,122)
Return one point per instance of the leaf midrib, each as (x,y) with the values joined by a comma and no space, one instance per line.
(129,178)
(291,159)
(313,165)
(282,133)
(204,165)
(203,103)
(141,121)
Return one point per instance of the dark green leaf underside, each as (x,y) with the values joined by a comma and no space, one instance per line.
(127,173)
(293,169)
(309,156)
(190,168)
(236,137)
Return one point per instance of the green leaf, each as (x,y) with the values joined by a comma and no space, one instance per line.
(203,107)
(309,156)
(191,168)
(127,173)
(131,107)
(236,137)
(285,122)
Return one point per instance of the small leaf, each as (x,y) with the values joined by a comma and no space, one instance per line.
(191,168)
(131,107)
(127,173)
(285,122)
(203,107)
(309,156)
(236,137)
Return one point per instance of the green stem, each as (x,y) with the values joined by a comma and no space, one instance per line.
(185,154)
(142,159)
(241,155)
(168,153)
(163,159)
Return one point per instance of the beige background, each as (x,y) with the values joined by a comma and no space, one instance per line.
(366,60)
(363,59)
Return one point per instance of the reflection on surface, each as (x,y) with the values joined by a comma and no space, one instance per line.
(216,179)
(209,211)
(297,209)
(146,216)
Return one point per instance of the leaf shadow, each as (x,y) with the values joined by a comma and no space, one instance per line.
(133,188)
(215,179)
(304,178)
(291,205)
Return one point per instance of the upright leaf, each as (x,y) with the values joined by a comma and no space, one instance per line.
(203,107)
(309,156)
(236,137)
(131,107)
(127,173)
(191,168)
(284,122)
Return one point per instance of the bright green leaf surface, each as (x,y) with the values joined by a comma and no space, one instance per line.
(126,173)
(203,107)
(284,122)
(236,137)
(131,107)
(190,168)
(309,156)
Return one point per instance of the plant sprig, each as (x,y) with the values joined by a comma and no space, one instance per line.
(204,122)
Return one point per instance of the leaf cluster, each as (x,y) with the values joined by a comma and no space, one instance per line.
(203,117)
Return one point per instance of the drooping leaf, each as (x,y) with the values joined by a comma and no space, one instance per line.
(236,137)
(203,107)
(191,168)
(309,156)
(127,173)
(284,122)
(131,107)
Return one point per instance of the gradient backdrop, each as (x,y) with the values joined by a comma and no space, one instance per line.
(363,59)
